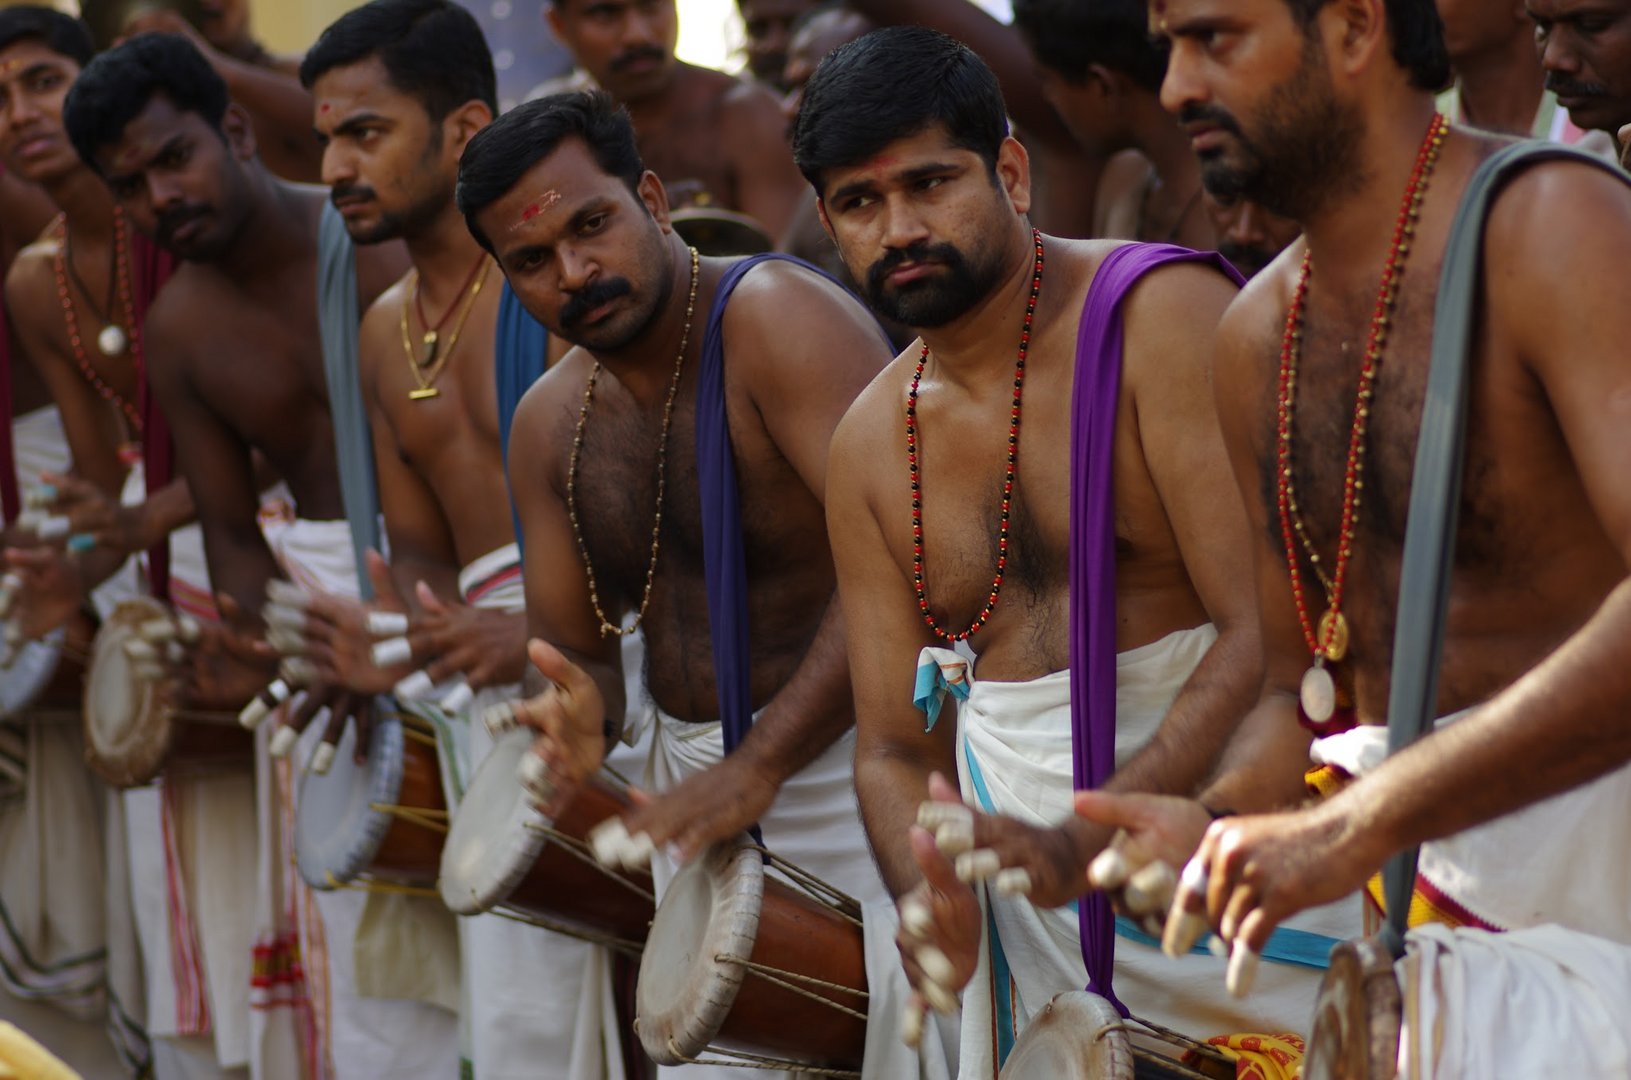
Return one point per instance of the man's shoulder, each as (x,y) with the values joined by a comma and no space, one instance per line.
(872,423)
(31,281)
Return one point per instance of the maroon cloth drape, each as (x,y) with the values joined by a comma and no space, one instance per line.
(150,267)
(10,497)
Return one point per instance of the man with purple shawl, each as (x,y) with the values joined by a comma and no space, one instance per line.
(1097,593)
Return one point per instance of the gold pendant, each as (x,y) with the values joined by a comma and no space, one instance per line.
(429,356)
(423,393)
(1334,635)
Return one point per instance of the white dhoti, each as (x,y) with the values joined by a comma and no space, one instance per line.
(309,953)
(535,996)
(815,824)
(1014,758)
(39,445)
(1573,870)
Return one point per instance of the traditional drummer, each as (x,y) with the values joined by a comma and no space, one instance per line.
(1529,757)
(604,472)
(951,512)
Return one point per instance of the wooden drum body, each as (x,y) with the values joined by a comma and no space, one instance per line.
(384,819)
(504,853)
(723,921)
(1357,1016)
(132,730)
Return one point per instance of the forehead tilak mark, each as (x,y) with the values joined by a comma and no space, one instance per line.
(533,210)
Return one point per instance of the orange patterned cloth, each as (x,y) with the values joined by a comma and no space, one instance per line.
(1263,1057)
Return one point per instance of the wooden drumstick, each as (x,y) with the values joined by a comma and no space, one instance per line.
(262,704)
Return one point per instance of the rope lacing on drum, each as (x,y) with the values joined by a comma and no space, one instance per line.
(787,980)
(1204,1050)
(365,883)
(827,895)
(754,1061)
(631,949)
(580,850)
(434,820)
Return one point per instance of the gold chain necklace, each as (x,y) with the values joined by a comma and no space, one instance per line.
(426,377)
(606,625)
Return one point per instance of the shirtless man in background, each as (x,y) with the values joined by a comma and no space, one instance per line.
(712,137)
(769,25)
(237,367)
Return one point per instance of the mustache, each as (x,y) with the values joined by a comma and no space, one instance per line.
(342,192)
(1218,117)
(171,220)
(1563,86)
(636,55)
(591,297)
(920,252)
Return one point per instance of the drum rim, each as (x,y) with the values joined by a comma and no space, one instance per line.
(118,764)
(42,658)
(473,885)
(1120,1050)
(677,1032)
(382,772)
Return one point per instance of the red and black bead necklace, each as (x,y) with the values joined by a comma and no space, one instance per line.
(130,342)
(1008,477)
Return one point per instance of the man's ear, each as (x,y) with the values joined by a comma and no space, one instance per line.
(1014,173)
(1356,32)
(826,223)
(239,131)
(655,196)
(461,125)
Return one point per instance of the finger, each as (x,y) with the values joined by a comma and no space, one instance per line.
(429,600)
(379,576)
(386,624)
(1222,843)
(975,866)
(261,705)
(943,790)
(390,653)
(938,871)
(1242,899)
(916,920)
(911,1021)
(323,757)
(1110,868)
(1129,812)
(535,771)
(362,714)
(1242,973)
(1150,888)
(1012,881)
(1185,924)
(554,666)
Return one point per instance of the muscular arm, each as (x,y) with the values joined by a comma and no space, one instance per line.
(218,467)
(1172,318)
(804,356)
(1262,766)
(768,186)
(894,754)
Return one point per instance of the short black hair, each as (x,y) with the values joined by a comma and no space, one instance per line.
(1071,36)
(501,152)
(1417,34)
(62,34)
(117,85)
(431,49)
(892,84)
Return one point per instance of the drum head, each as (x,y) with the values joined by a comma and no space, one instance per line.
(710,910)
(128,722)
(716,231)
(1356,1016)
(337,826)
(1077,1036)
(492,842)
(30,671)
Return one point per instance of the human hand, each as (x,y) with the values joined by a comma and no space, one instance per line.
(1046,865)
(342,705)
(570,718)
(95,519)
(939,935)
(1156,834)
(332,634)
(228,665)
(1251,873)
(49,590)
(487,647)
(716,804)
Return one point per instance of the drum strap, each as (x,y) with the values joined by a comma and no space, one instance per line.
(1094,396)
(1435,489)
(520,355)
(724,562)
(338,320)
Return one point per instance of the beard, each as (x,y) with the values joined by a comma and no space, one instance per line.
(1303,152)
(936,300)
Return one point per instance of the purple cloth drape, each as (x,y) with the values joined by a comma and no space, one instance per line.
(1093,551)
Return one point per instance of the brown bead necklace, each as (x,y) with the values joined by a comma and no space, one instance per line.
(912,450)
(607,627)
(112,340)
(1328,641)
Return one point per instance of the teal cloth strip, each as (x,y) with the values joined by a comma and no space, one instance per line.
(930,692)
(1286,946)
(338,321)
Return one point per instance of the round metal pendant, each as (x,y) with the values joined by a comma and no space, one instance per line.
(1319,694)
(1334,635)
(112,340)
